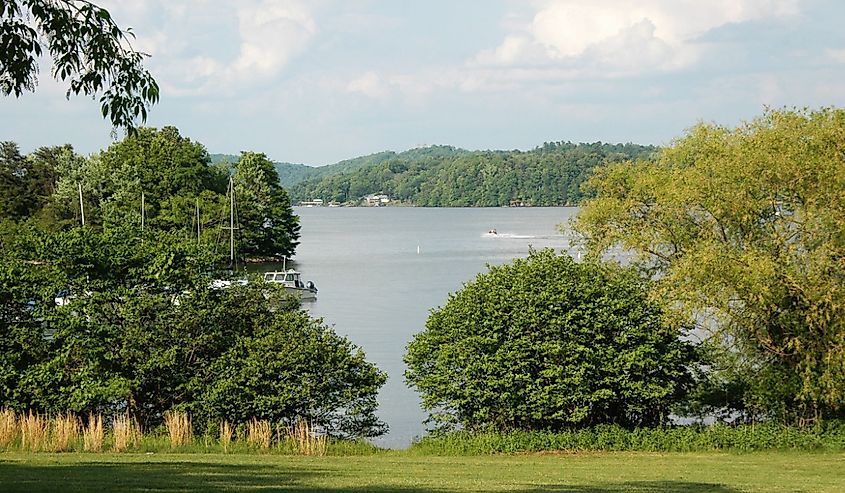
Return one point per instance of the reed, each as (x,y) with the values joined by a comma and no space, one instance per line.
(225,436)
(92,435)
(179,428)
(64,433)
(126,432)
(8,427)
(34,432)
(305,440)
(259,433)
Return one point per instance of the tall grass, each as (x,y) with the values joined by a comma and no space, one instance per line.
(304,440)
(225,436)
(34,432)
(64,433)
(179,428)
(92,434)
(8,427)
(259,433)
(125,432)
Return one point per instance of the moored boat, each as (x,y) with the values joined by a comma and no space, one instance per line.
(292,281)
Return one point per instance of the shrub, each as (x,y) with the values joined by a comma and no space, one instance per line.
(547,343)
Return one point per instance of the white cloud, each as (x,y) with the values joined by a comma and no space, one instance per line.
(368,84)
(213,47)
(514,49)
(836,55)
(272,33)
(621,35)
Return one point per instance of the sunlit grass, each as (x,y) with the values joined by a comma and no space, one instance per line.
(400,472)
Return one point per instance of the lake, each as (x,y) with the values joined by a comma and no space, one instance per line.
(380,271)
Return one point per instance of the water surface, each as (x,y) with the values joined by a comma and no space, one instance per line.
(381,270)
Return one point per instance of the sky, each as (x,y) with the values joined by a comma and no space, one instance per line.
(320,81)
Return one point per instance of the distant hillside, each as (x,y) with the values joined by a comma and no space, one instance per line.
(443,176)
(289,173)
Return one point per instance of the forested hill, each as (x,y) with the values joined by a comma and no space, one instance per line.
(443,176)
(291,174)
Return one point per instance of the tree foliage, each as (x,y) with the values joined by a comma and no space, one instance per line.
(268,224)
(744,229)
(88,50)
(548,343)
(139,329)
(442,176)
(172,175)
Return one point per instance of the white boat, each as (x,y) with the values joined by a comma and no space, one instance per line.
(292,281)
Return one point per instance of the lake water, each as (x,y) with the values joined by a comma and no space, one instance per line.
(381,270)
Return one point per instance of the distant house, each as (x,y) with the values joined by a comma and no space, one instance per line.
(377,200)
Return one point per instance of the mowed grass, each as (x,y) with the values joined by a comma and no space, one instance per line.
(403,472)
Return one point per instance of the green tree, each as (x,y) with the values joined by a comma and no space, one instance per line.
(268,225)
(141,330)
(88,50)
(293,367)
(170,170)
(743,229)
(14,202)
(546,343)
(28,182)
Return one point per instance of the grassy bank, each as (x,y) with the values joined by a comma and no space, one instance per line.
(747,438)
(402,472)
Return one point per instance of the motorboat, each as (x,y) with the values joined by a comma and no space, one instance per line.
(292,281)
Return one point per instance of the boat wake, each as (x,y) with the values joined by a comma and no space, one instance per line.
(520,237)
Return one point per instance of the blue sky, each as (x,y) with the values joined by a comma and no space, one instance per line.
(324,80)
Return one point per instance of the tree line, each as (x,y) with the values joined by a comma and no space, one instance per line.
(157,177)
(443,176)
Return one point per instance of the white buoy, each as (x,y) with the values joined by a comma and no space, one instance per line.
(418,249)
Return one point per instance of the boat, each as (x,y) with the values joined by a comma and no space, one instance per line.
(492,232)
(292,281)
(289,278)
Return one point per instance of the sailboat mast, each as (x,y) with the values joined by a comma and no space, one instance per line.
(81,206)
(143,212)
(231,222)
(199,227)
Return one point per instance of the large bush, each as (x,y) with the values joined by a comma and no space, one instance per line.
(549,343)
(141,331)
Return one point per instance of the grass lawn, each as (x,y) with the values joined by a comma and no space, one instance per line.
(403,472)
